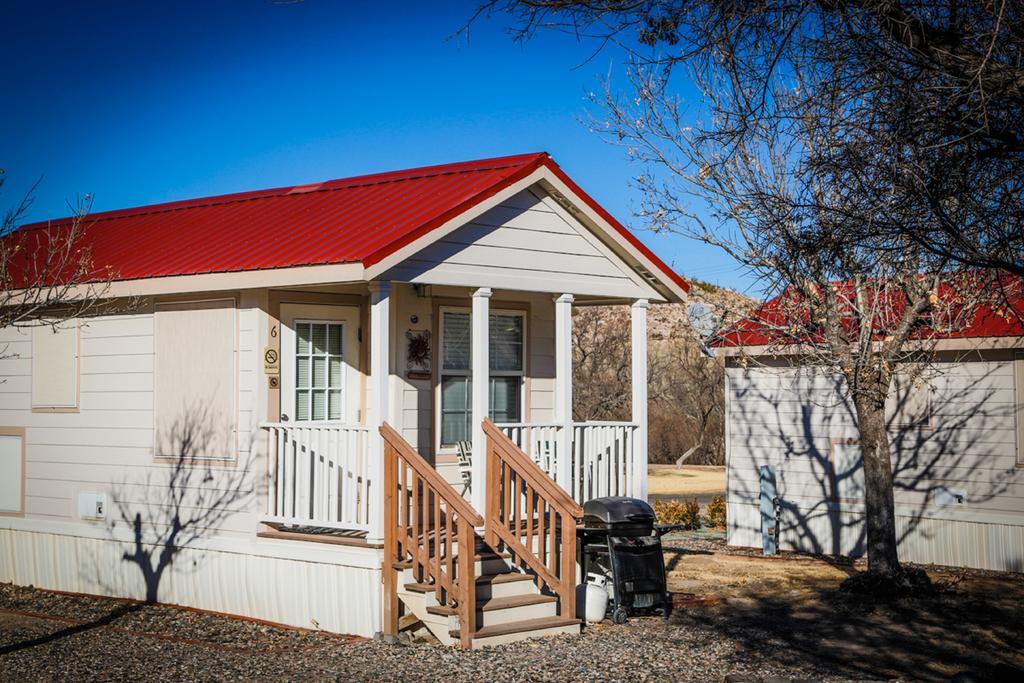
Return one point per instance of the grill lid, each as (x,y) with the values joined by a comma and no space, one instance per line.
(617,510)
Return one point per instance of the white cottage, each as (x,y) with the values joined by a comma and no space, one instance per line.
(220,443)
(956,434)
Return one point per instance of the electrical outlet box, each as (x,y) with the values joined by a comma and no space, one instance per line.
(950,496)
(92,505)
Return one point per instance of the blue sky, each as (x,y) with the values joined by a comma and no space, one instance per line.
(144,102)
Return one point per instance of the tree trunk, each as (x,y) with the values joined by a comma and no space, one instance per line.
(880,508)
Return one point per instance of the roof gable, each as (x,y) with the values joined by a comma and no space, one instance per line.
(526,242)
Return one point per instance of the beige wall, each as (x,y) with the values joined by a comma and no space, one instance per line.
(107,446)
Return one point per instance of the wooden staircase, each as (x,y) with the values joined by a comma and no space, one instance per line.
(518,584)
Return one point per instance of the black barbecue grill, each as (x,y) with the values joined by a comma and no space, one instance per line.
(621,541)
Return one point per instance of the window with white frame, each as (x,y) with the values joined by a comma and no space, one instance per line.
(507,362)
(319,370)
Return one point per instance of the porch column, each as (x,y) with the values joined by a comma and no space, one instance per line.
(380,370)
(563,389)
(481,368)
(639,376)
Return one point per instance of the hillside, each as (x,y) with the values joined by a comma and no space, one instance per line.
(685,391)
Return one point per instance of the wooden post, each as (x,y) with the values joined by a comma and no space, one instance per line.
(563,390)
(390,544)
(493,508)
(639,343)
(481,369)
(568,550)
(467,584)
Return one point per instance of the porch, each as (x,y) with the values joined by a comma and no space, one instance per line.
(320,472)
(324,475)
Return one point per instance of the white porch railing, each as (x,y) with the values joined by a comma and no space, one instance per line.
(602,460)
(318,475)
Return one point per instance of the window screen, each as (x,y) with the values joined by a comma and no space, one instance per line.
(507,346)
(55,365)
(195,379)
(319,370)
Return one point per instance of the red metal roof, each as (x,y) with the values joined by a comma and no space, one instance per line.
(353,220)
(783,319)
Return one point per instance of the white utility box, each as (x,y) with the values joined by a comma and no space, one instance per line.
(92,505)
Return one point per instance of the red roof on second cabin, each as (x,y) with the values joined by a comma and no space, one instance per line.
(1001,316)
(353,220)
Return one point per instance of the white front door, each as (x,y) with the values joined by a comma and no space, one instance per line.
(320,377)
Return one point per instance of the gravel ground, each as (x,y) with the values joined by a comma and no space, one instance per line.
(747,622)
(48,636)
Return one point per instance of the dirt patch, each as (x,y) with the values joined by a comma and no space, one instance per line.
(791,605)
(690,481)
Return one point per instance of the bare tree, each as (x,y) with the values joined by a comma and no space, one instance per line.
(920,103)
(873,144)
(685,393)
(47,273)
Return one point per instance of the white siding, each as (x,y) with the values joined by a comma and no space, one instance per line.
(528,243)
(792,418)
(107,446)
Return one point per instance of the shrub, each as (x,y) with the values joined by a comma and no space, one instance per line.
(716,517)
(685,512)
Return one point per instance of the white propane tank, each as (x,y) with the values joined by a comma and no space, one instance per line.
(597,598)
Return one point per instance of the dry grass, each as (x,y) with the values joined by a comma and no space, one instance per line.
(691,480)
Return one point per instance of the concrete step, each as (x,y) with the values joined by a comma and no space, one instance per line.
(521,630)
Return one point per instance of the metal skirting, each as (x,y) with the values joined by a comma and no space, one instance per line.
(309,594)
(976,543)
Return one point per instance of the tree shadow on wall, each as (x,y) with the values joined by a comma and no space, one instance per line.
(184,497)
(955,450)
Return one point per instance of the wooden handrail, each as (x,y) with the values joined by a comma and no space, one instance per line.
(425,470)
(425,519)
(524,464)
(531,517)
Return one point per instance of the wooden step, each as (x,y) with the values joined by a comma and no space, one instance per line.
(419,587)
(504,578)
(504,585)
(514,601)
(524,629)
(443,610)
(515,608)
